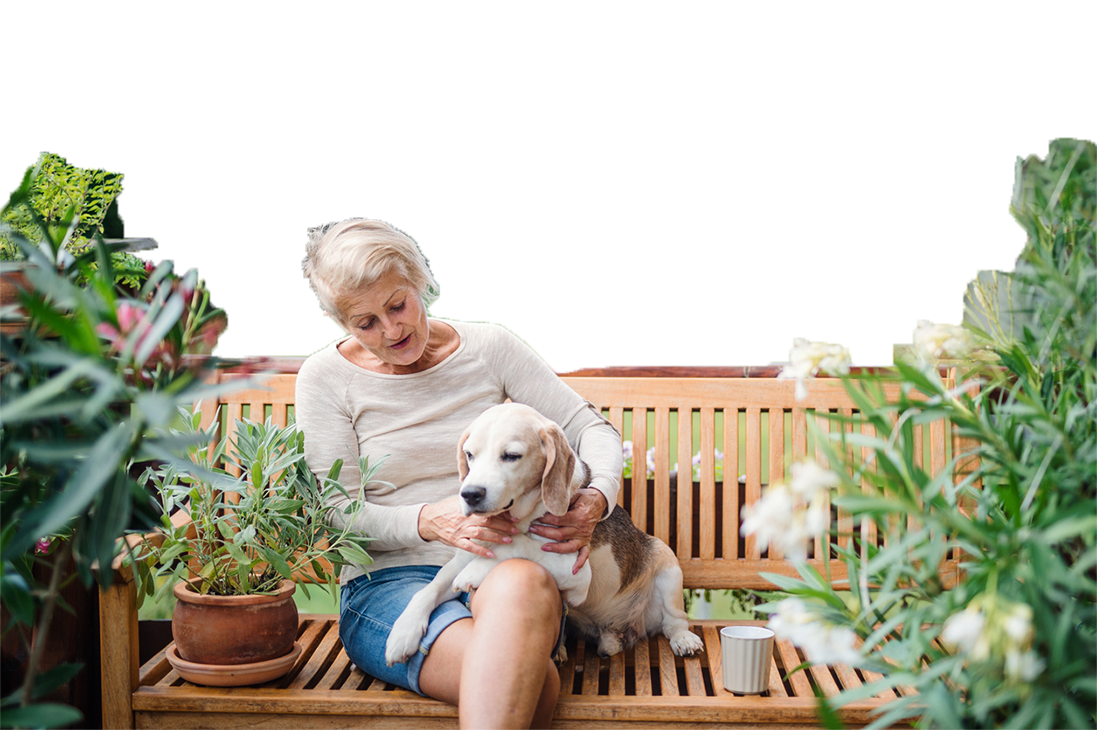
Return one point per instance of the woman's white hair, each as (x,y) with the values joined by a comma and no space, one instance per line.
(344,257)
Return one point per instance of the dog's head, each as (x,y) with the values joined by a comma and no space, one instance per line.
(512,458)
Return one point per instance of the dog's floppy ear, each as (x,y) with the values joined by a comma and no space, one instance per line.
(462,460)
(559,465)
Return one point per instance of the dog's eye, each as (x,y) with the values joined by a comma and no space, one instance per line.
(510,456)
(468,455)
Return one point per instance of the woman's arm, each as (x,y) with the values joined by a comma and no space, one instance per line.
(321,413)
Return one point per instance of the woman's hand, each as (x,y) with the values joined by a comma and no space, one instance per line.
(444,522)
(572,531)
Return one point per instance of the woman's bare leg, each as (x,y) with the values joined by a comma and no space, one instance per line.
(496,667)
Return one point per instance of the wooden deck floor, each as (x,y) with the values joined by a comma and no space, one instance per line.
(325,690)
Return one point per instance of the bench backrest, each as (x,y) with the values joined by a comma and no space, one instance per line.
(756,424)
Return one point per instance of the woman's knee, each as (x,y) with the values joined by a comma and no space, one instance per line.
(524,584)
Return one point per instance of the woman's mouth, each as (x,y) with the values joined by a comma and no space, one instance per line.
(401,344)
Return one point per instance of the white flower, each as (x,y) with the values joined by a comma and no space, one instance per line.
(769,519)
(807,358)
(651,461)
(1018,624)
(1024,666)
(941,342)
(963,629)
(811,481)
(789,515)
(968,271)
(626,449)
(821,642)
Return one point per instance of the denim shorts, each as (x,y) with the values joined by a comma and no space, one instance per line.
(370,604)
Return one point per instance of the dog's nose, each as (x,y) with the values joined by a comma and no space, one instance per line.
(473,495)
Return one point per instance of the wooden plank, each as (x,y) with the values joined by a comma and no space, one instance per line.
(731,507)
(707,515)
(642,667)
(869,431)
(119,655)
(662,474)
(695,678)
(747,393)
(847,678)
(790,660)
(340,669)
(823,680)
(617,420)
(685,482)
(776,461)
(776,685)
(567,670)
(668,673)
(327,648)
(639,468)
(937,446)
(590,671)
(714,655)
(754,471)
(822,431)
(617,675)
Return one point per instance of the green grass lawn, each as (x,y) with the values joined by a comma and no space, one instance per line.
(664,313)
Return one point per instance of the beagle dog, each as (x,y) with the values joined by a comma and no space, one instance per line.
(511,458)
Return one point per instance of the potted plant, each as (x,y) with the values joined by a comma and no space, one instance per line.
(91,376)
(231,549)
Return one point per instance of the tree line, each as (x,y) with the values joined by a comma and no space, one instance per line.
(498,202)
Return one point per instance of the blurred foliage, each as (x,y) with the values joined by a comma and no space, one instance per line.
(475,203)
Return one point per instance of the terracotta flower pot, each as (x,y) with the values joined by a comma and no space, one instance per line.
(234,629)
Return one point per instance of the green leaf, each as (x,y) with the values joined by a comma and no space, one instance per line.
(81,488)
(45,715)
(16,596)
(1069,528)
(277,562)
(52,679)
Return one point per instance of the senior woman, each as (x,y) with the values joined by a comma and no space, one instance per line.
(403,386)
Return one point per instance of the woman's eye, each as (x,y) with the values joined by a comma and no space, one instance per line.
(399,307)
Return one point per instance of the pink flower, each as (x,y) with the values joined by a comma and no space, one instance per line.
(42,546)
(129,317)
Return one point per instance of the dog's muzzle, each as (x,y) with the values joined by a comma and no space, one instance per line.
(473,496)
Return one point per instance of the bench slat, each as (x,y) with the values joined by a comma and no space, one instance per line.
(731,505)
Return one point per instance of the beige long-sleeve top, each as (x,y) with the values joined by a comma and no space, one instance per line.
(416,421)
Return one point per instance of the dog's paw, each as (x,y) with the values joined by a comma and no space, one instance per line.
(471,576)
(609,643)
(686,643)
(404,639)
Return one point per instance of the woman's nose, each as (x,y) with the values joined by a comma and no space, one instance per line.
(390,328)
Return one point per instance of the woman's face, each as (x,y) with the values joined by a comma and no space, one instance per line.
(389,321)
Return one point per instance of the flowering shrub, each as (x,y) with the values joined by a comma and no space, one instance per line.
(90,377)
(1012,639)
(807,359)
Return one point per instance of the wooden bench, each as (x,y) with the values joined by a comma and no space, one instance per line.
(760,429)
